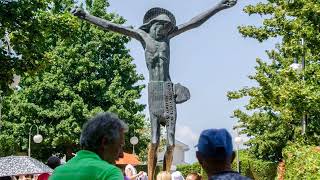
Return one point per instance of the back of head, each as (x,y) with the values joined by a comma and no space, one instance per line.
(164,175)
(28,177)
(177,175)
(215,151)
(130,170)
(53,162)
(193,176)
(216,144)
(104,125)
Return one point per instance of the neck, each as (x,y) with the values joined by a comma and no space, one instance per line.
(99,152)
(162,39)
(216,169)
(156,38)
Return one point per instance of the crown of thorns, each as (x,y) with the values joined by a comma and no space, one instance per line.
(154,12)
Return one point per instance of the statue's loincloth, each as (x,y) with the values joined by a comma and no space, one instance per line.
(163,97)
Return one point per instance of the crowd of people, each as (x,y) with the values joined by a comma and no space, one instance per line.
(102,141)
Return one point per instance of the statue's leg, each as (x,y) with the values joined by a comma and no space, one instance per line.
(153,147)
(170,119)
(168,157)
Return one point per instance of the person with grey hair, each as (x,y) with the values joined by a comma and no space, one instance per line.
(101,140)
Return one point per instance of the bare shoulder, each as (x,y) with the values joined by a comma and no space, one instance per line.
(142,33)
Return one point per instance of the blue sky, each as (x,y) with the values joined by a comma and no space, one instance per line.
(210,60)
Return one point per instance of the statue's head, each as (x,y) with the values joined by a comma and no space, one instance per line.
(158,21)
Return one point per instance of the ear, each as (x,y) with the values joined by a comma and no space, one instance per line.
(233,156)
(103,143)
(199,157)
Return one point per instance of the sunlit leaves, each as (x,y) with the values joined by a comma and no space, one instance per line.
(88,71)
(273,114)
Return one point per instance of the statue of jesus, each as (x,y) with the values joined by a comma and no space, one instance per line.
(159,27)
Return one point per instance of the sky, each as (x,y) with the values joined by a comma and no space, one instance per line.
(210,61)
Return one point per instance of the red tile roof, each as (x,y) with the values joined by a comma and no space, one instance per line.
(129,159)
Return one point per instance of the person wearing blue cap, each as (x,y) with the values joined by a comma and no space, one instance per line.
(215,154)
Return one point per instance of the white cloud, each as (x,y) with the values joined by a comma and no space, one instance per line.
(186,135)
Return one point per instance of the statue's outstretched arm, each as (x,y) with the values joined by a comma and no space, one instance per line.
(203,17)
(105,24)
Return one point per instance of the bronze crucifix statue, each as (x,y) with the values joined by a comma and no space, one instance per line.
(159,27)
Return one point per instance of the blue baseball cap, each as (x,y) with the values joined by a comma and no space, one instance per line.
(215,143)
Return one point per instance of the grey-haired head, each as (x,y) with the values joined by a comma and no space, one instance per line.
(157,14)
(104,125)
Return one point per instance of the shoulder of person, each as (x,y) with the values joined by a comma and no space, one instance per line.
(111,173)
(229,175)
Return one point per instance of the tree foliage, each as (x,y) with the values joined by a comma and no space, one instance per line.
(8,145)
(89,70)
(302,162)
(255,168)
(23,47)
(272,117)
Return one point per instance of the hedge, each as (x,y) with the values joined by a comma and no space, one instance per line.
(192,168)
(255,168)
(302,162)
(250,167)
(8,146)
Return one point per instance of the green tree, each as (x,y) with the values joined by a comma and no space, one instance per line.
(272,117)
(22,47)
(8,145)
(89,71)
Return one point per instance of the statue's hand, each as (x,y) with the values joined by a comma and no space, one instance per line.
(227,3)
(78,12)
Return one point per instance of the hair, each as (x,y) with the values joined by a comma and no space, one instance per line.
(164,175)
(5,178)
(130,168)
(104,125)
(194,176)
(53,162)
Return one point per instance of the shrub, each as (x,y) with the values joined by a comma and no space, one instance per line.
(191,168)
(302,162)
(263,170)
(8,146)
(255,168)
(249,166)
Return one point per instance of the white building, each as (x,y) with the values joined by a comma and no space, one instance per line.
(178,154)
